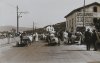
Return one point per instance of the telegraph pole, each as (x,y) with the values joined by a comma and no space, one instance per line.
(17,20)
(84,15)
(33,27)
(18,16)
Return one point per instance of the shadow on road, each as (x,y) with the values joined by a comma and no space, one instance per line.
(20,45)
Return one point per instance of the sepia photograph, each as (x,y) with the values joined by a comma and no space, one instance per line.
(49,31)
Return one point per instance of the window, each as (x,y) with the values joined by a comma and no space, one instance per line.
(94,9)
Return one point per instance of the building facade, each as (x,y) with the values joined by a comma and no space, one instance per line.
(50,29)
(83,17)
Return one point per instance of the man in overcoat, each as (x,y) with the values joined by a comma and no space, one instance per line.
(88,39)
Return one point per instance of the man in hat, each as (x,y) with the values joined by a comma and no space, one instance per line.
(94,38)
(88,39)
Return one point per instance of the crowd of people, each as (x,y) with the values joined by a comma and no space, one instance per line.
(90,39)
(65,37)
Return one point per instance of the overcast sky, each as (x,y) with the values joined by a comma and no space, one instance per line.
(42,12)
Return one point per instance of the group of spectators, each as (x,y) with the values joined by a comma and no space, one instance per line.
(62,37)
(68,38)
(90,39)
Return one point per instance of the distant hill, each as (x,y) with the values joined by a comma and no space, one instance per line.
(9,28)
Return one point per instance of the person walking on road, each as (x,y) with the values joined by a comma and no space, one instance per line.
(88,39)
(94,38)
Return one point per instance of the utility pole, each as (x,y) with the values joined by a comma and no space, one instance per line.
(33,27)
(18,16)
(84,15)
(17,20)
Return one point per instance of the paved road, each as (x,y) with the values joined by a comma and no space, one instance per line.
(38,52)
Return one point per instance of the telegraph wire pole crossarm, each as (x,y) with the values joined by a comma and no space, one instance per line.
(18,16)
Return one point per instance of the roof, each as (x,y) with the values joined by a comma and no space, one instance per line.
(95,3)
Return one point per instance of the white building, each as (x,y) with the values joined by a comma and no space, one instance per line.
(50,29)
(74,20)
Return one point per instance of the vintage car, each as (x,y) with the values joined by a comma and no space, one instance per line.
(25,41)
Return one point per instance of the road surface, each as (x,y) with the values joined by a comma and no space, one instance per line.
(38,52)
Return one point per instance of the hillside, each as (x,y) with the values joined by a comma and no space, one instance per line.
(9,28)
(58,27)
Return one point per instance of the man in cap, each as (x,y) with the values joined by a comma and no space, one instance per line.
(88,39)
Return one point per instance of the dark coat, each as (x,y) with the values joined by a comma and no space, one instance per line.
(87,37)
(69,34)
(94,37)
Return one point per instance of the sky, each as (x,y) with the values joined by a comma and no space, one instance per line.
(41,12)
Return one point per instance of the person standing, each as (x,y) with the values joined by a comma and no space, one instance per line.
(94,38)
(59,37)
(65,37)
(21,38)
(33,37)
(69,37)
(36,37)
(88,39)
